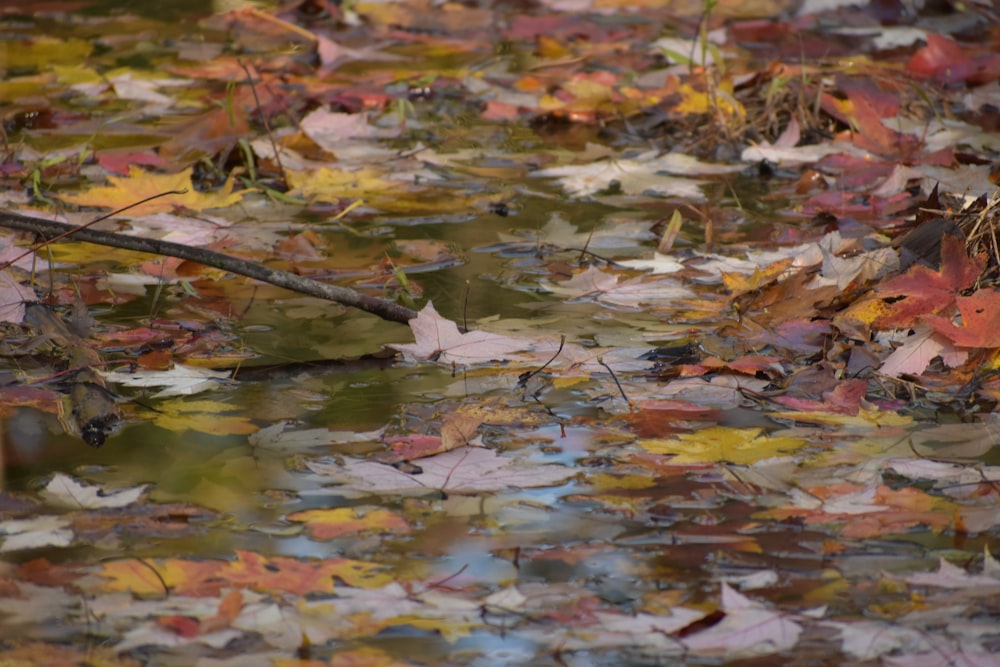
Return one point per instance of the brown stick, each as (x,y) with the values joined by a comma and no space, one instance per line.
(345,296)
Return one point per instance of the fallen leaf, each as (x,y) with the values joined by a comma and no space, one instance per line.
(438,339)
(13,296)
(928,291)
(179,381)
(465,470)
(719,443)
(980,320)
(37,533)
(748,629)
(141,184)
(65,491)
(329,524)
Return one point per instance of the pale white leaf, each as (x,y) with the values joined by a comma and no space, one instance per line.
(462,470)
(920,348)
(754,580)
(659,264)
(65,491)
(333,131)
(867,640)
(748,629)
(438,339)
(180,380)
(42,531)
(277,437)
(604,287)
(952,576)
(633,176)
(858,502)
(13,296)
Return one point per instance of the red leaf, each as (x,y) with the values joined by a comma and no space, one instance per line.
(180,625)
(927,291)
(940,54)
(947,62)
(980,321)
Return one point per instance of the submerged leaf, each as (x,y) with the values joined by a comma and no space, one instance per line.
(462,470)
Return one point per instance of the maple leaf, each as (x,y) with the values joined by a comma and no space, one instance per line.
(332,131)
(748,629)
(43,531)
(660,263)
(140,184)
(329,524)
(954,577)
(980,320)
(179,381)
(301,577)
(462,470)
(13,295)
(634,176)
(560,232)
(204,416)
(438,339)
(868,640)
(845,399)
(719,443)
(604,287)
(918,350)
(65,491)
(928,291)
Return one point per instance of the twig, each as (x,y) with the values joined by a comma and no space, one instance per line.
(345,296)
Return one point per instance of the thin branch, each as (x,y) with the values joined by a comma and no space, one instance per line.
(345,296)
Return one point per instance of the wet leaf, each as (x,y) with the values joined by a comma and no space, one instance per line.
(333,523)
(438,339)
(140,184)
(980,325)
(179,381)
(65,491)
(729,445)
(37,533)
(466,470)
(748,629)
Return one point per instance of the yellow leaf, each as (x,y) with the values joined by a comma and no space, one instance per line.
(696,101)
(205,416)
(332,185)
(71,75)
(872,417)
(739,283)
(718,443)
(857,319)
(40,53)
(588,90)
(368,185)
(144,577)
(140,184)
(333,523)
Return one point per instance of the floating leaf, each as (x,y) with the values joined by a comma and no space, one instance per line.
(140,184)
